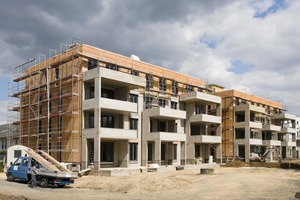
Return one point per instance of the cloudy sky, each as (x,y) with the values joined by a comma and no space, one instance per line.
(250,46)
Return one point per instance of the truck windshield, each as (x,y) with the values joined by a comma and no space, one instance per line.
(18,161)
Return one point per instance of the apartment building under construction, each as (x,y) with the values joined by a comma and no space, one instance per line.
(90,106)
(252,125)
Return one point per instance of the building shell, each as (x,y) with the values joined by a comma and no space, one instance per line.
(89,106)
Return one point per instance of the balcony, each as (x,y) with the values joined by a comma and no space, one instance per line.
(272,143)
(160,112)
(166,136)
(271,127)
(118,105)
(115,77)
(288,130)
(88,104)
(288,143)
(256,109)
(116,133)
(209,119)
(200,97)
(206,138)
(121,78)
(256,125)
(89,132)
(285,116)
(255,141)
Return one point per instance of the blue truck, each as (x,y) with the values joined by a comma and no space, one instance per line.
(20,170)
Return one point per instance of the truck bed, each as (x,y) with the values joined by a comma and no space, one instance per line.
(55,174)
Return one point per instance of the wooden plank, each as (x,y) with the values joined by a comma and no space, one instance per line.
(41,160)
(54,162)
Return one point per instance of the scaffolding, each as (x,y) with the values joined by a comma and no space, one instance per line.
(48,102)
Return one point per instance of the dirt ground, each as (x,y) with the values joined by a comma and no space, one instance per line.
(225,183)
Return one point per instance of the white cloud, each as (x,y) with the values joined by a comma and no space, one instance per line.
(3,112)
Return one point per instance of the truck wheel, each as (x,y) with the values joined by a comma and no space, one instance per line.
(44,182)
(10,177)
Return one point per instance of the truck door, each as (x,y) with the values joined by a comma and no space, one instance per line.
(23,169)
(20,168)
(15,168)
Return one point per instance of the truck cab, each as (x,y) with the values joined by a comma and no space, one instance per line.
(19,169)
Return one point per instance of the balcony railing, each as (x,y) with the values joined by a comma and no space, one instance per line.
(165,112)
(206,118)
(206,139)
(167,136)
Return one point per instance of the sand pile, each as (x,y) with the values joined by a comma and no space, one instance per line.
(11,197)
(283,164)
(140,183)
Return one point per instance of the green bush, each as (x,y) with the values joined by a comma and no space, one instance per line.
(1,166)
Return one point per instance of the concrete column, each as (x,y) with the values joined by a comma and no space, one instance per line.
(157,151)
(182,153)
(144,153)
(126,121)
(218,153)
(97,118)
(169,153)
(84,156)
(206,151)
(271,156)
(190,152)
(144,132)
(218,110)
(97,147)
(122,153)
(139,156)
(235,149)
(247,139)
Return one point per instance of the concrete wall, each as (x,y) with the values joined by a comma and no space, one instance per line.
(120,109)
(205,119)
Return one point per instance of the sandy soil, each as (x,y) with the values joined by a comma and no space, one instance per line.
(226,183)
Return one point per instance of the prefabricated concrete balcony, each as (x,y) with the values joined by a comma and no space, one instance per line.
(118,105)
(116,133)
(271,127)
(250,124)
(204,118)
(285,116)
(88,104)
(124,79)
(164,113)
(271,142)
(166,136)
(288,143)
(90,74)
(89,132)
(257,125)
(255,141)
(206,138)
(256,109)
(288,130)
(200,97)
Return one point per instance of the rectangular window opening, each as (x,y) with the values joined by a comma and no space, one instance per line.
(133,151)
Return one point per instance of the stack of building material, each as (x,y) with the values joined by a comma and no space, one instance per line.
(53,161)
(42,160)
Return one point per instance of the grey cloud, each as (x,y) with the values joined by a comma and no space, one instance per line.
(155,31)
